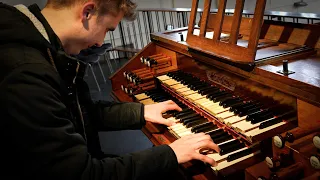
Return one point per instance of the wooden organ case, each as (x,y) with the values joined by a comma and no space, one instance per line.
(252,84)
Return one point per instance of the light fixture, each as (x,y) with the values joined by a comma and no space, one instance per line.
(300,4)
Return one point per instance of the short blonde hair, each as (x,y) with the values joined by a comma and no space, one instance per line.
(103,6)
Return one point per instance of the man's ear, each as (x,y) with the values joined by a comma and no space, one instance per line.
(88,9)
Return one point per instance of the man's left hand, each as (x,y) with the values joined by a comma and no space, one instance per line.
(153,112)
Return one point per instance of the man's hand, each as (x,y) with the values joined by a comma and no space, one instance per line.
(187,148)
(153,112)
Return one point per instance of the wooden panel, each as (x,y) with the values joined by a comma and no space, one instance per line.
(237,16)
(220,15)
(274,32)
(299,36)
(171,54)
(318,44)
(245,25)
(256,24)
(204,18)
(308,115)
(229,51)
(193,15)
(292,33)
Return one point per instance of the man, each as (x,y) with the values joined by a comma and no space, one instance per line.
(49,123)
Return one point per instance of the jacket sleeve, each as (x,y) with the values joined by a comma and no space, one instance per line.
(120,115)
(43,142)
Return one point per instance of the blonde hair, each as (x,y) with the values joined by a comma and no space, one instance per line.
(103,6)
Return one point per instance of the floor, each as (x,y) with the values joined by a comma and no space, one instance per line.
(114,142)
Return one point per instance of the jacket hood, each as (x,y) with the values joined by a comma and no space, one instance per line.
(16,27)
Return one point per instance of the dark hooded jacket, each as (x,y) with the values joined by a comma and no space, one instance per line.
(49,124)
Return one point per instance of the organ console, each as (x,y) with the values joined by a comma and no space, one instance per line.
(249,83)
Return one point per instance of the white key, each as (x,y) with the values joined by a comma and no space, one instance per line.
(217,157)
(234,119)
(141,96)
(185,133)
(227,141)
(225,115)
(147,101)
(225,164)
(195,97)
(170,82)
(186,93)
(183,90)
(258,131)
(245,126)
(163,77)
(178,86)
(176,126)
(217,110)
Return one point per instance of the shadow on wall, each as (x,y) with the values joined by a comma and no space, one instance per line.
(41,3)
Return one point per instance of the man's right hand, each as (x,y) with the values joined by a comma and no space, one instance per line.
(187,148)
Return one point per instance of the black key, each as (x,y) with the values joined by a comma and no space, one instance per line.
(278,119)
(211,89)
(239,154)
(230,146)
(245,106)
(234,107)
(250,111)
(213,95)
(194,83)
(243,110)
(186,110)
(187,120)
(221,139)
(205,88)
(250,117)
(218,133)
(262,118)
(228,100)
(193,129)
(196,88)
(232,103)
(194,114)
(221,98)
(195,123)
(208,92)
(181,115)
(162,98)
(206,128)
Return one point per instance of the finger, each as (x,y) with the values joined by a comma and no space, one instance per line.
(170,102)
(192,138)
(202,137)
(172,107)
(204,158)
(166,122)
(207,144)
